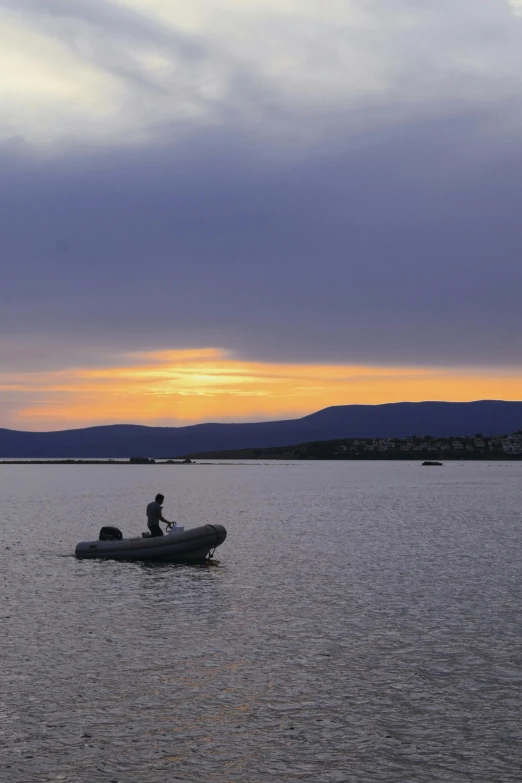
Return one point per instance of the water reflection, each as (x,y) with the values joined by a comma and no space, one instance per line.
(361,624)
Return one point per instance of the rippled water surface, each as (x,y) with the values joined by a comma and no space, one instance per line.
(363,624)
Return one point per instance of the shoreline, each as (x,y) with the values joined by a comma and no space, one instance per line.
(256,460)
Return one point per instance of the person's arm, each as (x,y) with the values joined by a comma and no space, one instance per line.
(162,518)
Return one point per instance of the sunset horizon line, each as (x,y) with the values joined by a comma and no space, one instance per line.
(259,420)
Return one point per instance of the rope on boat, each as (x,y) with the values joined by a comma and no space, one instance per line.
(211,553)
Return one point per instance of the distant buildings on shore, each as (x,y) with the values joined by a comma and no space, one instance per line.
(456,446)
(424,447)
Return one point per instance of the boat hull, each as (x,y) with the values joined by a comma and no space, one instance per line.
(192,546)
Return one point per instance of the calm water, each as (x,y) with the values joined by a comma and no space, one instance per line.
(363,624)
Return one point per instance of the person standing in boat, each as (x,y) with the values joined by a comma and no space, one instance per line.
(155,516)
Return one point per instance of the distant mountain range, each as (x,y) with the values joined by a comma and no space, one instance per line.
(393,420)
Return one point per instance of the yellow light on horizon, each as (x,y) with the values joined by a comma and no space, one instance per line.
(192,386)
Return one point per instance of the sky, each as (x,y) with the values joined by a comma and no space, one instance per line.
(237,210)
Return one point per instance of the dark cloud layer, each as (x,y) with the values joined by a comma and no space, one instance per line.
(405,248)
(399,242)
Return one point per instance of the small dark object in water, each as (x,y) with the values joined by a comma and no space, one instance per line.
(109,533)
(432,463)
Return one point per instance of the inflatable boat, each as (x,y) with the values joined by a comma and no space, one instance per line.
(190,546)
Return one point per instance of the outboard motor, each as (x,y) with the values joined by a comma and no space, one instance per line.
(109,533)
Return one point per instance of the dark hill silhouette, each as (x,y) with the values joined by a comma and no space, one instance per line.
(399,420)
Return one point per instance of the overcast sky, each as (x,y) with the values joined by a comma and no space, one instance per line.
(312,182)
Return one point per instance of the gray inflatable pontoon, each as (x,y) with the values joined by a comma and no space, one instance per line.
(192,546)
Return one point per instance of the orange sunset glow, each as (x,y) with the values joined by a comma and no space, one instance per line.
(191,386)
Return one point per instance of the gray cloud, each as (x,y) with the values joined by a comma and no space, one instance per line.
(289,75)
(376,230)
(402,249)
(62,19)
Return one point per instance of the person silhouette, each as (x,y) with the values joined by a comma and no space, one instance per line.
(155,516)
